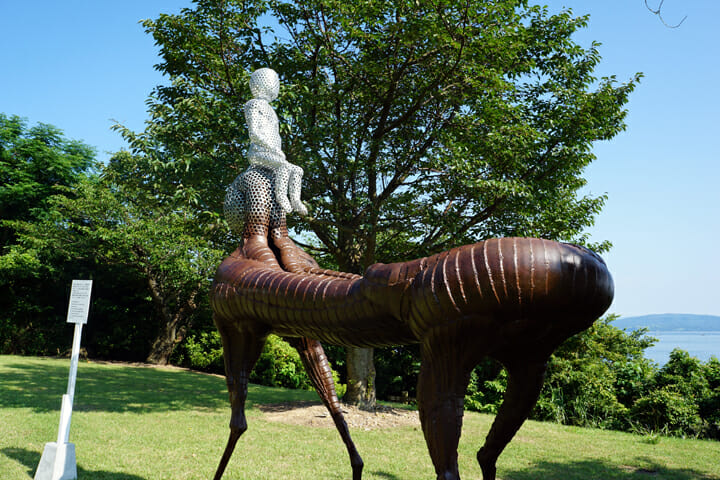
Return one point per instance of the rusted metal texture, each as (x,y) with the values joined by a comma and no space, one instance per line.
(512,299)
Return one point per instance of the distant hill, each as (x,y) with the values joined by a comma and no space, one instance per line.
(665,322)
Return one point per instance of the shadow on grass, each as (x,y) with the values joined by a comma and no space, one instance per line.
(39,384)
(642,469)
(387,475)
(31,460)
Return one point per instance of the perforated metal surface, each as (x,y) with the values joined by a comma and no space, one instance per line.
(250,207)
(265,144)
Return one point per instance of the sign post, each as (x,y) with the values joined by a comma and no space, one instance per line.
(58,458)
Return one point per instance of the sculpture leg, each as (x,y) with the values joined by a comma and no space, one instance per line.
(318,369)
(294,187)
(441,394)
(525,381)
(282,177)
(240,350)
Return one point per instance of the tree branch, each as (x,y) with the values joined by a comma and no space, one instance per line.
(658,12)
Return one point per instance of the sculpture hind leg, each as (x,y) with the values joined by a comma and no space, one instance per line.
(318,369)
(444,376)
(525,380)
(241,350)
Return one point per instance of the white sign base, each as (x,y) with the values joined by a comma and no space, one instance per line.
(57,462)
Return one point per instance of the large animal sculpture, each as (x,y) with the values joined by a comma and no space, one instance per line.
(511,299)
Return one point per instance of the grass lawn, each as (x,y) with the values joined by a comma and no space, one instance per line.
(138,423)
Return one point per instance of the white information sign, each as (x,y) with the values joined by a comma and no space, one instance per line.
(58,458)
(79,301)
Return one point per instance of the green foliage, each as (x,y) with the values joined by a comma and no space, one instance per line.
(35,164)
(710,405)
(581,387)
(681,398)
(279,365)
(667,410)
(486,390)
(397,370)
(155,256)
(600,378)
(203,352)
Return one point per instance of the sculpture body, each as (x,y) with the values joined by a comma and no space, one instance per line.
(512,299)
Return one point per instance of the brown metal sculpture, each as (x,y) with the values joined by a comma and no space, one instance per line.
(511,299)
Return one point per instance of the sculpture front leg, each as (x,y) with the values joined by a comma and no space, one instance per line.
(241,351)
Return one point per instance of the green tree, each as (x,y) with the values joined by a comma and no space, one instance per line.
(118,220)
(420,125)
(37,163)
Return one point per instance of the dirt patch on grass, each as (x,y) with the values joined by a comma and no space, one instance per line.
(316,415)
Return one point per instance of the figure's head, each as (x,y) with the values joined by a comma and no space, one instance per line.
(265,84)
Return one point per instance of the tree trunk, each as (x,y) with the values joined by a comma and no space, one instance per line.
(361,378)
(360,364)
(164,344)
(174,323)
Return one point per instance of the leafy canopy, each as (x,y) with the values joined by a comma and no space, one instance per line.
(420,125)
(35,163)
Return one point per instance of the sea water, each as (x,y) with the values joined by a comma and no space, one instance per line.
(702,345)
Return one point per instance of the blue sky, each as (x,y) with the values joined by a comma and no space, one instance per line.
(82,65)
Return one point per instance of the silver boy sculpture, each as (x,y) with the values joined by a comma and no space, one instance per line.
(265,146)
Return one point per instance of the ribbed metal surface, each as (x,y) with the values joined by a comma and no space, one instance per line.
(512,299)
(507,279)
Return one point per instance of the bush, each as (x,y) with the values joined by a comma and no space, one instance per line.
(667,410)
(580,391)
(485,394)
(279,365)
(685,374)
(204,352)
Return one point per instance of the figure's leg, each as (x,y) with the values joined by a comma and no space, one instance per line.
(525,380)
(241,350)
(294,188)
(318,369)
(292,258)
(282,177)
(443,379)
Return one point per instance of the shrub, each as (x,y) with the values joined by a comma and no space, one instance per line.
(204,352)
(665,409)
(486,389)
(279,365)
